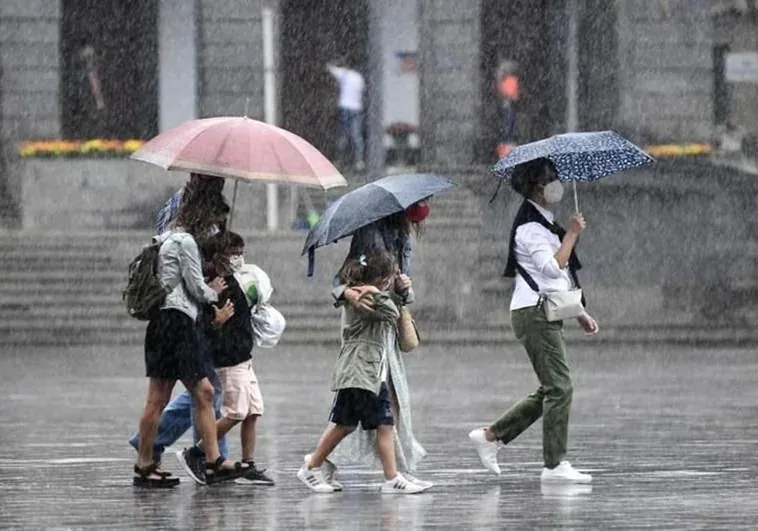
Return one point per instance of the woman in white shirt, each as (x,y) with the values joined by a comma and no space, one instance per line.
(541,259)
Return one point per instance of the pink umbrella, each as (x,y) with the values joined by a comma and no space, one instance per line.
(242,149)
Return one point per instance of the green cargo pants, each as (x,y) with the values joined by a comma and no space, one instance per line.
(546,348)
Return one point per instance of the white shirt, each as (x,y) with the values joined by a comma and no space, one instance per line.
(535,249)
(351,88)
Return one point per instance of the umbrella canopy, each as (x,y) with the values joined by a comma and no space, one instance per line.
(242,149)
(370,203)
(578,156)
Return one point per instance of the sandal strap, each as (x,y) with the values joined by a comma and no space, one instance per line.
(145,471)
(216,465)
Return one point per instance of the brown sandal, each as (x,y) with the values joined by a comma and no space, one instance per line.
(143,479)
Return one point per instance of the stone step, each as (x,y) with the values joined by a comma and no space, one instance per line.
(76,312)
(742,337)
(98,300)
(49,263)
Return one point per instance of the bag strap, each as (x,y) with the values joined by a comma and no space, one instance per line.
(528,278)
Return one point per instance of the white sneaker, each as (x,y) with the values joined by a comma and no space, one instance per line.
(413,479)
(564,472)
(487,450)
(329,470)
(400,485)
(313,479)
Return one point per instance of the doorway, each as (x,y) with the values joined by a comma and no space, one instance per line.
(109,78)
(516,31)
(315,32)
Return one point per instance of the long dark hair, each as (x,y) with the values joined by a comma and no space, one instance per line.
(403,225)
(529,175)
(370,267)
(199,212)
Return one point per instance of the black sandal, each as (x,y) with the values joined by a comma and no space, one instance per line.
(214,473)
(161,473)
(143,479)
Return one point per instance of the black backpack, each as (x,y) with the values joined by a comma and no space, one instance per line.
(144,294)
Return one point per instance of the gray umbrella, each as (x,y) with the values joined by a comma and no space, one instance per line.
(370,203)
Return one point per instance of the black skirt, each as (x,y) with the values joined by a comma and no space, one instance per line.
(172,349)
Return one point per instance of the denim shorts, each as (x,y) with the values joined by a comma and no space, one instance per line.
(353,406)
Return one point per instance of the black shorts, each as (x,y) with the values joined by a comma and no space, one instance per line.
(173,350)
(352,406)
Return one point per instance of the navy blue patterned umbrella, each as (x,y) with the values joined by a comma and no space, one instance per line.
(578,156)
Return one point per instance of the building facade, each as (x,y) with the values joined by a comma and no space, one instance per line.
(642,67)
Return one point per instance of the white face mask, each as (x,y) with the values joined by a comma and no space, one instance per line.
(553,192)
(236,262)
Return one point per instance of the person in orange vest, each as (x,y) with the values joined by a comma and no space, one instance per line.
(507,84)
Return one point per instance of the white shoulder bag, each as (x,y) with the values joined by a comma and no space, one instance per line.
(558,305)
(561,305)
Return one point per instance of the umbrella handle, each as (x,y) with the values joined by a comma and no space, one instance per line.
(576,198)
(234,200)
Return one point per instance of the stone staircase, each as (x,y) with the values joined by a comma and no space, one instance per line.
(65,289)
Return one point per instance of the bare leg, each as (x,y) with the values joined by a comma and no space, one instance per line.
(328,429)
(385,439)
(223,426)
(393,402)
(329,441)
(202,391)
(247,433)
(158,395)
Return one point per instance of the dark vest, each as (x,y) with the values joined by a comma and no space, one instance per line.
(529,214)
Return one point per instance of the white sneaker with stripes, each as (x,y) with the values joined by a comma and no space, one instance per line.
(329,471)
(400,485)
(413,479)
(314,479)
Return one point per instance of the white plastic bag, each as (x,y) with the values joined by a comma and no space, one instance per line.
(255,283)
(268,325)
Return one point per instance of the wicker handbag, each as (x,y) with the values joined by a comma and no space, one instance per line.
(407,333)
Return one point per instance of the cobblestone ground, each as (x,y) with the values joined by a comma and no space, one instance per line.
(668,433)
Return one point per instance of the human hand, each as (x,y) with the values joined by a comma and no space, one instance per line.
(402,283)
(576,224)
(359,297)
(218,284)
(588,324)
(223,314)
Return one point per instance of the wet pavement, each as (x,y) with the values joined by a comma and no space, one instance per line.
(669,434)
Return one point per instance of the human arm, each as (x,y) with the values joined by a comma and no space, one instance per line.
(384,309)
(192,273)
(404,289)
(537,242)
(353,296)
(97,91)
(335,71)
(588,324)
(576,226)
